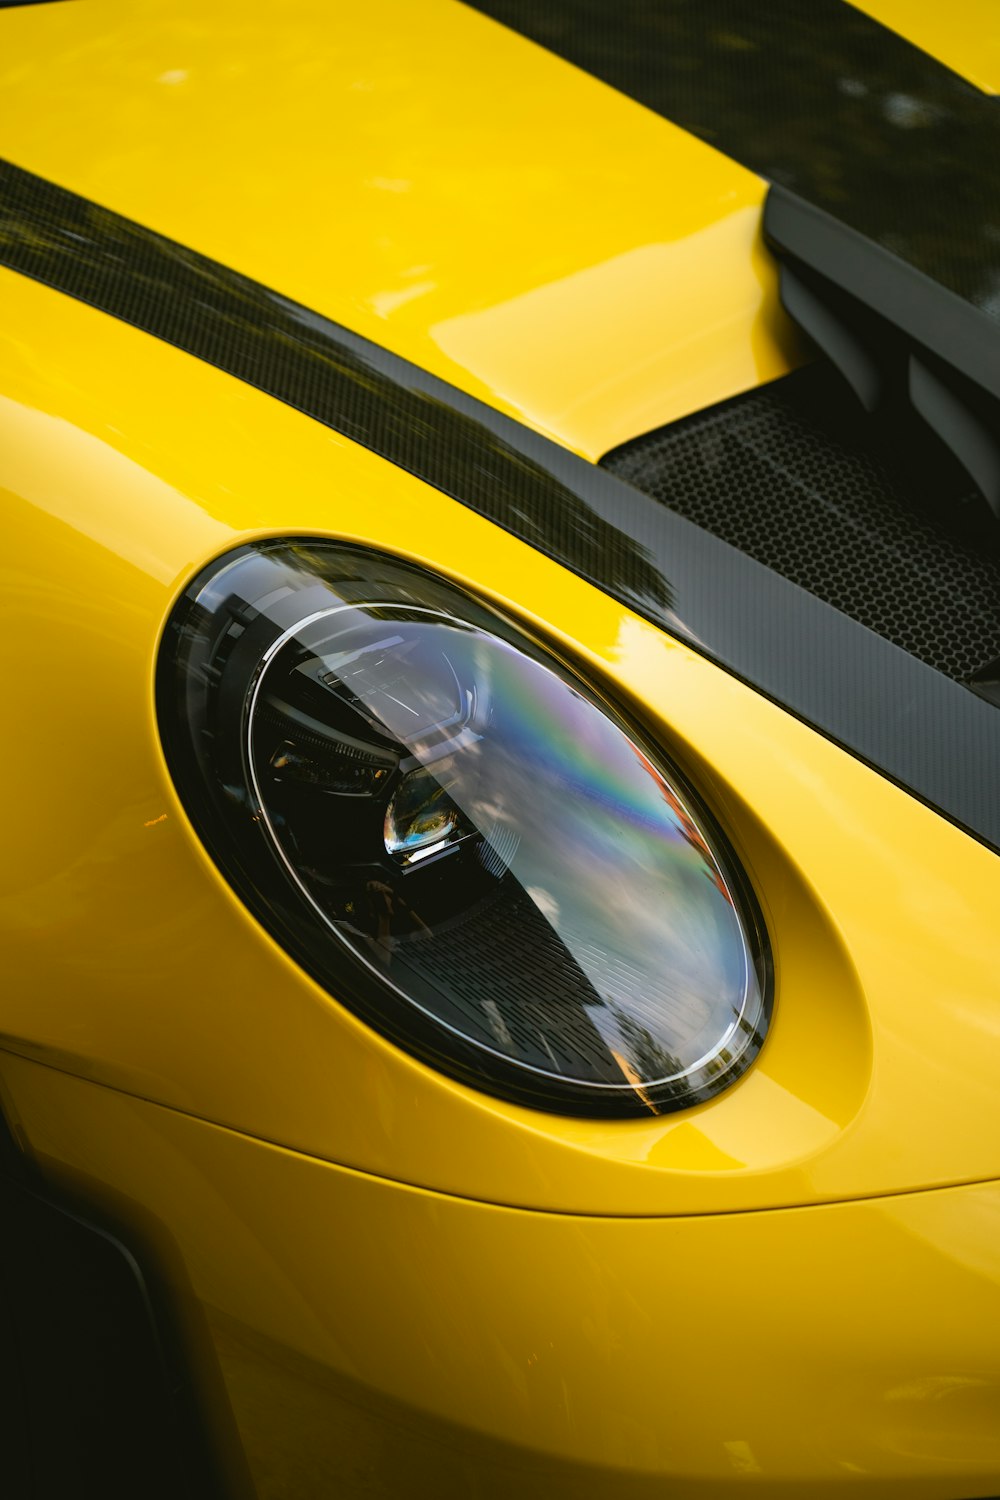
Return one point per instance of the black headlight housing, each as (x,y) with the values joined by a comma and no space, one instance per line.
(456,835)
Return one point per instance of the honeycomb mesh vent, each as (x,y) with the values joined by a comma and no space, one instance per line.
(794,475)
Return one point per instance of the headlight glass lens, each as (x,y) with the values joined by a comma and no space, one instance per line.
(457,835)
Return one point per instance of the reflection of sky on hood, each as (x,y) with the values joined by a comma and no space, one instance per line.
(602,843)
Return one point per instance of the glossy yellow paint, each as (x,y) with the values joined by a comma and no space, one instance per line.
(378,1340)
(124,465)
(964,35)
(514,226)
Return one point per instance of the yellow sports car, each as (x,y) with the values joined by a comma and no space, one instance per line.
(501,752)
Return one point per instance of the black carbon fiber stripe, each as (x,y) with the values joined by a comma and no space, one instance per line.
(910,722)
(817,97)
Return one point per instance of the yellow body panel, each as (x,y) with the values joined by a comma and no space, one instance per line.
(964,35)
(413,1288)
(125,465)
(378,1340)
(594,291)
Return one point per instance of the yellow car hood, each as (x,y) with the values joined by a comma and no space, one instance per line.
(425,177)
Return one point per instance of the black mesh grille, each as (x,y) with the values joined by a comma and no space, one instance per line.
(795,476)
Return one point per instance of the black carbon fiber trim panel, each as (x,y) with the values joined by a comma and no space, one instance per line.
(913,724)
(796,475)
(817,97)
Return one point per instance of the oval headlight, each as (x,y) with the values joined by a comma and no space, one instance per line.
(456,835)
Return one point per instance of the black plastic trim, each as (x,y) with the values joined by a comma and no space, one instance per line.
(921,730)
(833,323)
(92,1359)
(903,342)
(900,294)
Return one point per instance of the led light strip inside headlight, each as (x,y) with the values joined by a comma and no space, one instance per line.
(457,836)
